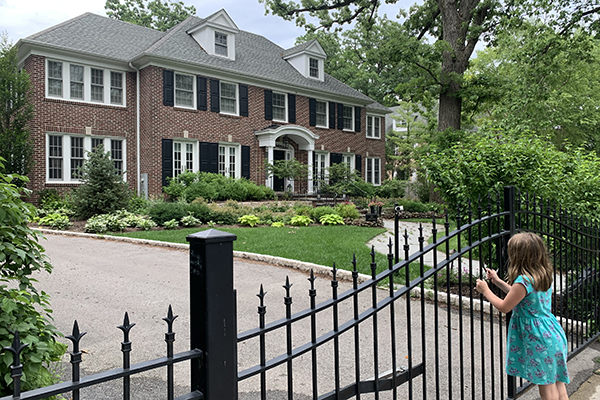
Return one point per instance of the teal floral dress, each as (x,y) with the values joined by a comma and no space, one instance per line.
(537,345)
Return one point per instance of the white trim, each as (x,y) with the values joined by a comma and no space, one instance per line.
(194,91)
(285,106)
(237,98)
(238,158)
(304,137)
(353,128)
(326,126)
(369,160)
(195,154)
(373,135)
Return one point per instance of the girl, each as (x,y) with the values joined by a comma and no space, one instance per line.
(537,346)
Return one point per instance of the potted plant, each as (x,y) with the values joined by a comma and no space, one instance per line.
(375,207)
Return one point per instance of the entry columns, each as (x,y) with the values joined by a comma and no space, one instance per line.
(310,172)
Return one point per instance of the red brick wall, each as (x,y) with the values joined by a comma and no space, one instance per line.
(158,122)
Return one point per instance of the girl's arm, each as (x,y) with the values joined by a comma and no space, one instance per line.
(516,293)
(493,276)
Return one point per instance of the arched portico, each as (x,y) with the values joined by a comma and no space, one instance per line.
(303,137)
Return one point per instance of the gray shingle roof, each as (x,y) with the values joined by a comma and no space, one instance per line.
(298,48)
(256,56)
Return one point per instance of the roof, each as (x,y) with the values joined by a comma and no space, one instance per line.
(256,56)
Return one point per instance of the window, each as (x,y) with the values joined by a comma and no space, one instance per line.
(116,88)
(228,161)
(373,170)
(66,154)
(349,118)
(184,90)
(183,157)
(373,127)
(97,85)
(279,106)
(78,82)
(116,153)
(55,80)
(229,98)
(321,111)
(76,157)
(320,164)
(313,67)
(55,160)
(349,160)
(221,44)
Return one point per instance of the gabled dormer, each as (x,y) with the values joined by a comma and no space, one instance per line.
(216,35)
(308,58)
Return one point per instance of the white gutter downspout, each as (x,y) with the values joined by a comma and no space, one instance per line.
(137,128)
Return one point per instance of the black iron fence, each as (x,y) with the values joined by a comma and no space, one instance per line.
(416,330)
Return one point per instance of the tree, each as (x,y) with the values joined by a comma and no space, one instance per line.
(16,110)
(102,190)
(149,13)
(456,28)
(21,256)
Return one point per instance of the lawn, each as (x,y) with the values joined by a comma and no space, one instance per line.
(320,244)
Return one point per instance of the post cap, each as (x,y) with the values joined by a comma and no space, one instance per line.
(211,236)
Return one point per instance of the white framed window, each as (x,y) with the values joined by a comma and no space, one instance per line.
(67,153)
(373,127)
(322,112)
(78,82)
(229,95)
(184,90)
(279,107)
(313,67)
(320,164)
(348,118)
(373,174)
(183,157)
(229,160)
(220,44)
(349,160)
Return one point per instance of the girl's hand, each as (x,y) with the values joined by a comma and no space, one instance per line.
(481,286)
(491,275)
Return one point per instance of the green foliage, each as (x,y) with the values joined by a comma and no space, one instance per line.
(117,222)
(278,224)
(331,219)
(153,14)
(190,220)
(347,210)
(199,210)
(392,189)
(162,211)
(102,190)
(287,169)
(172,224)
(301,220)
(23,308)
(317,212)
(249,219)
(55,221)
(419,207)
(341,180)
(138,205)
(16,110)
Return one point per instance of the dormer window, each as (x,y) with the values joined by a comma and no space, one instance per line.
(314,67)
(221,44)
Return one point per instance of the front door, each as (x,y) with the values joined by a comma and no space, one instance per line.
(278,183)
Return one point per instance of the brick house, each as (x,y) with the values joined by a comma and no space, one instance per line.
(204,96)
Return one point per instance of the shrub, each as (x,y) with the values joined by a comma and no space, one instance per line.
(199,210)
(172,224)
(96,224)
(200,189)
(331,219)
(347,210)
(102,189)
(161,212)
(250,219)
(145,224)
(278,224)
(190,220)
(302,209)
(318,212)
(392,188)
(55,221)
(189,186)
(138,205)
(301,220)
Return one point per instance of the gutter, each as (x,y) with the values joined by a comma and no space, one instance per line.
(137,127)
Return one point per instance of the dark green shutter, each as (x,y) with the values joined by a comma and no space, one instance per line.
(167,160)
(358,164)
(268,104)
(201,100)
(215,98)
(312,112)
(291,108)
(331,115)
(168,90)
(246,162)
(357,112)
(244,100)
(335,158)
(340,111)
(209,157)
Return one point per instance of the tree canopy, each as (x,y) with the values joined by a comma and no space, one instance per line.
(154,14)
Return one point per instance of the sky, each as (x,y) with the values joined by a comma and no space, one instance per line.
(21,18)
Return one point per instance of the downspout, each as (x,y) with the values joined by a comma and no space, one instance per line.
(137,128)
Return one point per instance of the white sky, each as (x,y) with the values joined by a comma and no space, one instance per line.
(21,18)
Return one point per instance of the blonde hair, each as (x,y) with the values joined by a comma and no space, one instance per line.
(528,256)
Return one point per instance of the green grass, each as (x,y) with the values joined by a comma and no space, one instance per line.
(322,245)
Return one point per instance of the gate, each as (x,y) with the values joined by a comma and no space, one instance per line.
(399,333)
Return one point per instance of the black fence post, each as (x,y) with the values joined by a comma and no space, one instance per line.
(396,233)
(213,322)
(509,226)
